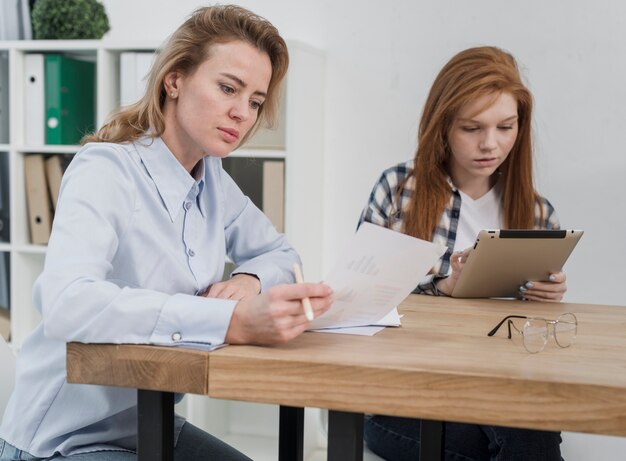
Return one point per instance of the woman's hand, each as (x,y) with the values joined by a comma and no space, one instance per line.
(277,315)
(551,290)
(457,261)
(240,286)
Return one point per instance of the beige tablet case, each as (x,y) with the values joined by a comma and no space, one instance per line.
(503,260)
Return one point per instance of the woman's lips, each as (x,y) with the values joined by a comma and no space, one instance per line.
(229,134)
(486,161)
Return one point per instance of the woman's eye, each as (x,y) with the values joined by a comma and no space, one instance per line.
(256,105)
(506,127)
(470,129)
(227,89)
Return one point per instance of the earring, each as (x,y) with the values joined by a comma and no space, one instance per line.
(173,94)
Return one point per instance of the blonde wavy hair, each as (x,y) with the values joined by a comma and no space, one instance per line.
(187,48)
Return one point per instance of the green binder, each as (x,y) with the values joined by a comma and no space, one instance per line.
(69,98)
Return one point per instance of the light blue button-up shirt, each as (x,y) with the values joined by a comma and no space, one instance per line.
(135,239)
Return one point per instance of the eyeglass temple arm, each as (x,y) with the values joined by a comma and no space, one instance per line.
(497,327)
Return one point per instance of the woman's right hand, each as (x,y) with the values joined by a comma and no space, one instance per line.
(457,261)
(277,315)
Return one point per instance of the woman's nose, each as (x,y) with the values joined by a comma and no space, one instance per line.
(488,140)
(240,110)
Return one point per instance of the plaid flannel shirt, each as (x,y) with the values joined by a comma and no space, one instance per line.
(381,210)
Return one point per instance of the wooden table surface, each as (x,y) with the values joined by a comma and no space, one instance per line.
(439,365)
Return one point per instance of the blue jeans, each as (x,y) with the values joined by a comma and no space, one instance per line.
(193,445)
(398,439)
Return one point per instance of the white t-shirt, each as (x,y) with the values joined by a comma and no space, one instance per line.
(476,215)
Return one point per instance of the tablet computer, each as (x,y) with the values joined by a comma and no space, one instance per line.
(503,260)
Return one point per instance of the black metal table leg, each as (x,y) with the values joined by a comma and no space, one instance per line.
(345,436)
(432,440)
(291,434)
(155,425)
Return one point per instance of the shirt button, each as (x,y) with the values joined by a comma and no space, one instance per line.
(177,337)
(191,253)
(187,205)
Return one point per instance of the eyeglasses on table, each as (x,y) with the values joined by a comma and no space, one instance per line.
(536,331)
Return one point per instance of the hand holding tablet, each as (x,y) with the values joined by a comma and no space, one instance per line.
(502,261)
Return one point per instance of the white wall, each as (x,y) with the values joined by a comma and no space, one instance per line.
(381,63)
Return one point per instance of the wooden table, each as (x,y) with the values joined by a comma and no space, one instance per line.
(439,366)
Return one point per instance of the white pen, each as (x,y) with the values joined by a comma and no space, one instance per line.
(306,302)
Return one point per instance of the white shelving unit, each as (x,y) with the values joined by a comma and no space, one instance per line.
(301,149)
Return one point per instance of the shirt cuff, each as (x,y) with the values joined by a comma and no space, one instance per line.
(428,285)
(193,320)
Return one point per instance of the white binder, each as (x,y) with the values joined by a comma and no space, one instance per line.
(34,100)
(134,68)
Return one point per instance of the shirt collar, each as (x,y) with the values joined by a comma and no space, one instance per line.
(172,181)
(497,185)
(201,174)
(451,184)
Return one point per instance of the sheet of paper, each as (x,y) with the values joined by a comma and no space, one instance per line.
(378,269)
(196,346)
(362,331)
(392,319)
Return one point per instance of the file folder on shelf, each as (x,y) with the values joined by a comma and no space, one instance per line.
(4,197)
(263,181)
(70,99)
(4,280)
(5,317)
(55,167)
(248,174)
(4,98)
(34,94)
(274,193)
(134,67)
(5,324)
(37,199)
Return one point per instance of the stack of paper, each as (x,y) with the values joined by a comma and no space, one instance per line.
(392,319)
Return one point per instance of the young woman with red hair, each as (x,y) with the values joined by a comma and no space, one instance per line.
(472,171)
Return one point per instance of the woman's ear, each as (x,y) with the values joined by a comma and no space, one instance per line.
(171,83)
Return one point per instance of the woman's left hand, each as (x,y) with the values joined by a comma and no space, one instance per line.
(240,286)
(552,290)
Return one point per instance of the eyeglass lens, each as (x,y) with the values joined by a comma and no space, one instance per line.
(565,330)
(536,332)
(535,335)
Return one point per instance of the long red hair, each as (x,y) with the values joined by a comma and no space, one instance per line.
(469,75)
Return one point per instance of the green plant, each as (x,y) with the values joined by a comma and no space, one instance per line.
(69,19)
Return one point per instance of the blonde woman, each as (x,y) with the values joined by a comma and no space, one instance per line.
(145,218)
(472,171)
